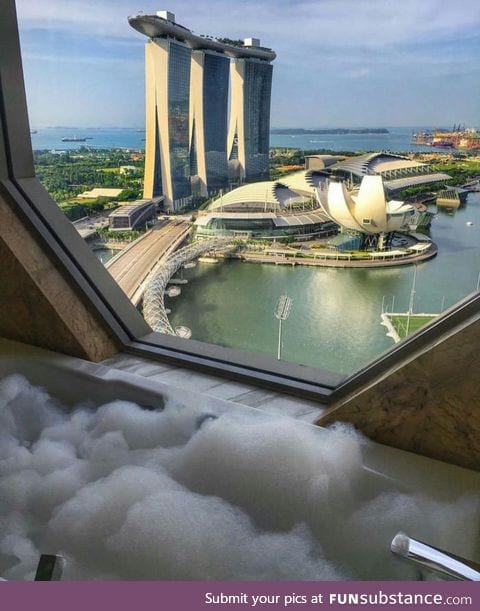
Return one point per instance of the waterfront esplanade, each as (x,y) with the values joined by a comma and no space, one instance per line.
(190,149)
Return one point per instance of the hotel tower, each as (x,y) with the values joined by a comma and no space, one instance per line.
(195,144)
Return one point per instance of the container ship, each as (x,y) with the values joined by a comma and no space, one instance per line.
(74,139)
(460,137)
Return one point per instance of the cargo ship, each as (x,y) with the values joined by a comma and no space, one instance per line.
(74,139)
(460,137)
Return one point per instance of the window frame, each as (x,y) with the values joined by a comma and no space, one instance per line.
(44,217)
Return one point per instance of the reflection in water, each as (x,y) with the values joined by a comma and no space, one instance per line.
(335,320)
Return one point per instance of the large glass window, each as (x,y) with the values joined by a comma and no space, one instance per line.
(377,236)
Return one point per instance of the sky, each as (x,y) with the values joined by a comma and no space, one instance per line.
(340,63)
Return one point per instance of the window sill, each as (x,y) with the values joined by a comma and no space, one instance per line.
(251,368)
(141,380)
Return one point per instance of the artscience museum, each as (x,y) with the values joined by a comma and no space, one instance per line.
(352,197)
(366,211)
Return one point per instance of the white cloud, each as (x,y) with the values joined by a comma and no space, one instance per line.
(372,24)
(103,18)
(316,41)
(358,72)
(86,60)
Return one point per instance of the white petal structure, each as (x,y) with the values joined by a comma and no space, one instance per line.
(367,210)
(340,206)
(370,205)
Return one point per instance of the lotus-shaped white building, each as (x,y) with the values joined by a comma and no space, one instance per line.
(366,210)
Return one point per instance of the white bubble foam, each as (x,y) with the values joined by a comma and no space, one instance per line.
(125,493)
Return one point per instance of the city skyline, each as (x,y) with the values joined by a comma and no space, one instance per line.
(345,63)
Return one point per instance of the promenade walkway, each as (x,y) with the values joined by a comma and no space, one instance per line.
(340,260)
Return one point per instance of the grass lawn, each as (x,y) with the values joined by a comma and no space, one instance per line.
(416,321)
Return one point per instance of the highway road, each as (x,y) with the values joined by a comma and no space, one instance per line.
(133,265)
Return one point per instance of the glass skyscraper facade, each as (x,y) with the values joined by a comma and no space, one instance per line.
(157,168)
(215,116)
(257,93)
(178,122)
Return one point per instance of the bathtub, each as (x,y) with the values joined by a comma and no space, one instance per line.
(74,381)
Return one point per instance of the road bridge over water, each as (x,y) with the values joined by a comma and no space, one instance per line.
(131,267)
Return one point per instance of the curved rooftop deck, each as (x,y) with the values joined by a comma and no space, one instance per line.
(154,26)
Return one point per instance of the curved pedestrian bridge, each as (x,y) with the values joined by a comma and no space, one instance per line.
(154,310)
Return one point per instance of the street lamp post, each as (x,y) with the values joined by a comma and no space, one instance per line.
(282,312)
(412,296)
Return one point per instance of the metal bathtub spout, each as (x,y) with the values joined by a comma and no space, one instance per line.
(434,559)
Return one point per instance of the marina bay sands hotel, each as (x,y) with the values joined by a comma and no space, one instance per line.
(207,111)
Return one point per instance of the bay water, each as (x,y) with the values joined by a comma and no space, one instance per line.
(398,139)
(335,322)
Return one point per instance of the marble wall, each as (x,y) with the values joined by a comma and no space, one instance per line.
(39,305)
(428,404)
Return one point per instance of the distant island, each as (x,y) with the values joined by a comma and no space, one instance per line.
(337,130)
